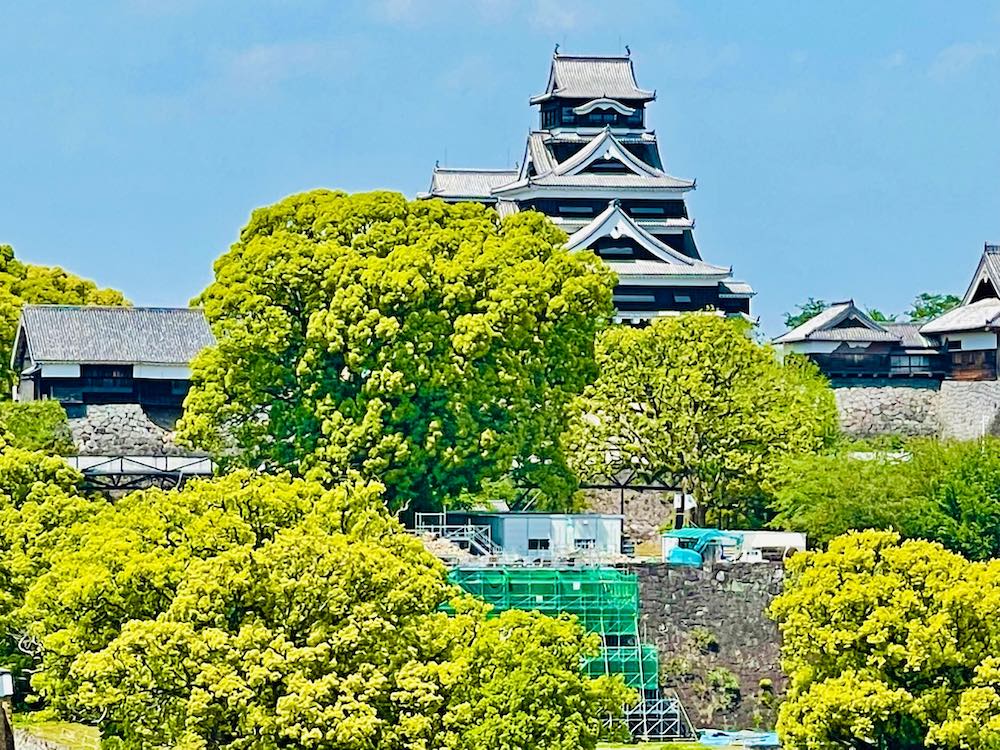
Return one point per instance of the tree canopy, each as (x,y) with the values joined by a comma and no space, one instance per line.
(265,612)
(695,402)
(24,283)
(40,503)
(927,306)
(806,311)
(427,345)
(889,645)
(945,491)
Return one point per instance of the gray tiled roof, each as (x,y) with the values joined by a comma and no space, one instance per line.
(592,77)
(854,333)
(820,327)
(625,181)
(643,267)
(988,269)
(909,335)
(130,335)
(979,315)
(468,183)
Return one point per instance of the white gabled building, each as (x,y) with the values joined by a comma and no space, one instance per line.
(594,168)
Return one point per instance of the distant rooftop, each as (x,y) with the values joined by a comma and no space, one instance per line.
(592,77)
(474,184)
(113,335)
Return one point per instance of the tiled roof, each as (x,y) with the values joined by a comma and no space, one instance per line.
(982,314)
(987,270)
(614,221)
(910,336)
(735,289)
(506,208)
(114,335)
(592,77)
(620,181)
(854,333)
(626,268)
(820,327)
(468,183)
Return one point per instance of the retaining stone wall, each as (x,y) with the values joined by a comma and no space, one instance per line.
(958,409)
(867,411)
(968,409)
(120,429)
(706,622)
(645,511)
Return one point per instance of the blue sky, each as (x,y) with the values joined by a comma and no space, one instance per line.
(841,149)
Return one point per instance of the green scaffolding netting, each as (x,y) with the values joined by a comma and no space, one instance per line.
(604,600)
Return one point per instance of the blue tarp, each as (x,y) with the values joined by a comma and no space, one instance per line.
(744,738)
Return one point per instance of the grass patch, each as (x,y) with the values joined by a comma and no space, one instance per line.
(63,733)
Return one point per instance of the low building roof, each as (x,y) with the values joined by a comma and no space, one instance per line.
(592,77)
(112,335)
(829,326)
(472,184)
(910,336)
(972,317)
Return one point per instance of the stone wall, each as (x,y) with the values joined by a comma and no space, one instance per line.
(958,409)
(868,411)
(968,409)
(120,429)
(646,512)
(717,646)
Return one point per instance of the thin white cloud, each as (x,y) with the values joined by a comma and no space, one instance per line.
(896,60)
(959,58)
(554,15)
(264,65)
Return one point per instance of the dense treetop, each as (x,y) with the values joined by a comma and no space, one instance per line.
(889,645)
(255,611)
(945,491)
(427,345)
(24,283)
(694,402)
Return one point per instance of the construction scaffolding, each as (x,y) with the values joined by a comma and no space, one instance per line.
(605,601)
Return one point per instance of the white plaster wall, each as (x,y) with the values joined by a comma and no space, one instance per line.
(974,340)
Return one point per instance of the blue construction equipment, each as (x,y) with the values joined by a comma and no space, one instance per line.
(693,546)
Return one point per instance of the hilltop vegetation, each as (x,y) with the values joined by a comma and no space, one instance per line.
(427,345)
(890,644)
(25,283)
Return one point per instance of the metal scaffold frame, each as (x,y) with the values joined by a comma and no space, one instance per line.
(605,601)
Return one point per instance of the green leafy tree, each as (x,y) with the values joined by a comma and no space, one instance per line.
(880,317)
(806,311)
(427,345)
(888,645)
(693,401)
(36,426)
(40,503)
(927,306)
(126,562)
(22,283)
(326,633)
(942,491)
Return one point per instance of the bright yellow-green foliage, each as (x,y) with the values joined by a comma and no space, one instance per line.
(127,561)
(425,345)
(694,401)
(266,612)
(22,283)
(945,491)
(40,502)
(36,426)
(889,645)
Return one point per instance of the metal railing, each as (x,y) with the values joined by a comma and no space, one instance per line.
(473,537)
